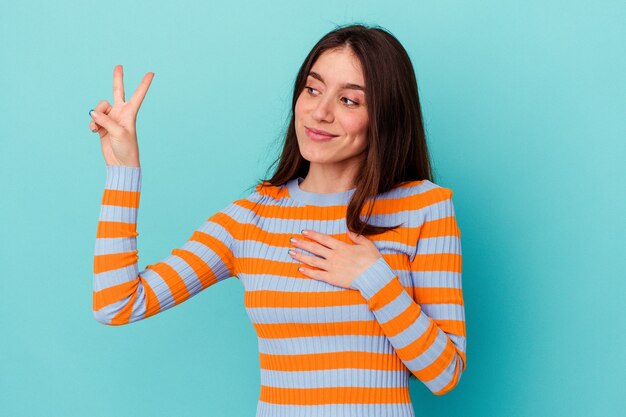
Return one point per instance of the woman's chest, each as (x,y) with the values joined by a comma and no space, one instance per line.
(277,294)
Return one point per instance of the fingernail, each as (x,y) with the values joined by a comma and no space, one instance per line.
(93,113)
(94,130)
(304,232)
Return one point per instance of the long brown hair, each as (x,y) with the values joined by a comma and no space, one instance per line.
(396,142)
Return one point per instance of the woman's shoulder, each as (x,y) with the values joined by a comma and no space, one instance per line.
(264,193)
(266,189)
(419,189)
(419,200)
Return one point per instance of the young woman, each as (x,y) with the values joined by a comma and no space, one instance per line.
(350,256)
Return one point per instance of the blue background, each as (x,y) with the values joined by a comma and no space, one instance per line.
(525,112)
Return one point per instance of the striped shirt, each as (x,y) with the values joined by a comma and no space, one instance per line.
(324,350)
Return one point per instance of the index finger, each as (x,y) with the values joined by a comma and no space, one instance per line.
(118,85)
(141,90)
(324,239)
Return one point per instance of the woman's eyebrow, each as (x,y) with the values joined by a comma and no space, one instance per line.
(346,85)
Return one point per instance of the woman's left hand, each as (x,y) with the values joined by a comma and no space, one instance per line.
(339,262)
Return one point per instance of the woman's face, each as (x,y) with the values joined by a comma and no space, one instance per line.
(333,100)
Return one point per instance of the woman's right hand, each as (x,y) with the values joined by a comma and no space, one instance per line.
(116,124)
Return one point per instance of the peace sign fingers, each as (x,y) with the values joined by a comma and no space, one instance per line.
(118,85)
(141,91)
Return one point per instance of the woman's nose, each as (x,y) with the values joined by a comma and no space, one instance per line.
(323,110)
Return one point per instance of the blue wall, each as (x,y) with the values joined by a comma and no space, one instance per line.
(525,110)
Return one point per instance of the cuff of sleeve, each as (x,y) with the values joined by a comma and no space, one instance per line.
(123,178)
(375,277)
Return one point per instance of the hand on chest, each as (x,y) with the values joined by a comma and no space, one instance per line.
(278,295)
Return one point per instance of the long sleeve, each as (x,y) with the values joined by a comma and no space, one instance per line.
(427,330)
(122,294)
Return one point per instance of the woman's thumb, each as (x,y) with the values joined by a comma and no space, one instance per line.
(105,121)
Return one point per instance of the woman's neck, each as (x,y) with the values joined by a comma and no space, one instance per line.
(323,179)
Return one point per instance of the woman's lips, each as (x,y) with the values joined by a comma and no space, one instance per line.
(317,136)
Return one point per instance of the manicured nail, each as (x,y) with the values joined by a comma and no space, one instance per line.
(93,113)
(304,232)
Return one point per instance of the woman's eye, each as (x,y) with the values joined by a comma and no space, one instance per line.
(353,102)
